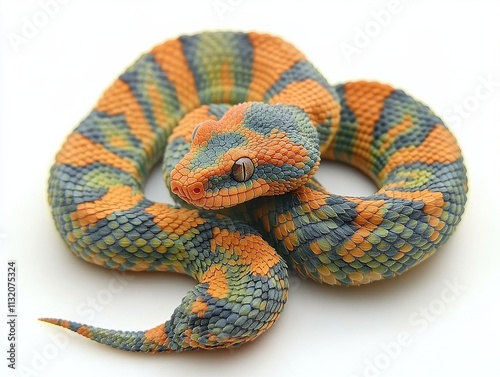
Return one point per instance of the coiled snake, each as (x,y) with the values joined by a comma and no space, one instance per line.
(265,148)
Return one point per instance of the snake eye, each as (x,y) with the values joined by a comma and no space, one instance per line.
(195,131)
(242,169)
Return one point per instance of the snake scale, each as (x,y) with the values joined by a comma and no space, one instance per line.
(242,120)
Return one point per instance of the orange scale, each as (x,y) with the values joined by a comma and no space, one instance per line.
(357,252)
(348,258)
(434,236)
(365,246)
(433,221)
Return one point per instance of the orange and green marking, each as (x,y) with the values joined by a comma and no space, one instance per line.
(242,121)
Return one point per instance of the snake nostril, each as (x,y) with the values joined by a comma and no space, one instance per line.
(176,187)
(195,190)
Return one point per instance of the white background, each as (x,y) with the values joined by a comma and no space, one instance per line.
(443,52)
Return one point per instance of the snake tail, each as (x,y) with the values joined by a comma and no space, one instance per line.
(243,286)
(99,208)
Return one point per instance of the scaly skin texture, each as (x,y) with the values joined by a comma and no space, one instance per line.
(286,116)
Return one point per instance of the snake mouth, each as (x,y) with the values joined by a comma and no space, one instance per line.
(218,202)
(216,199)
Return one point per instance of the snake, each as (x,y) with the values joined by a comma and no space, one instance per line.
(241,122)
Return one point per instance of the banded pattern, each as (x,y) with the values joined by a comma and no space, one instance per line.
(417,165)
(288,115)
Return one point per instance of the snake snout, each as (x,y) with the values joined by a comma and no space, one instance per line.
(191,192)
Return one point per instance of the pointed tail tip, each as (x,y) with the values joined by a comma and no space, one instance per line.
(57,322)
(53,321)
(76,327)
(152,341)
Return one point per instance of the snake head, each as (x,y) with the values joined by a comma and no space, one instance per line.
(254,150)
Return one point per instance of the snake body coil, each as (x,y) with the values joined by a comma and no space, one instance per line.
(287,115)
